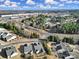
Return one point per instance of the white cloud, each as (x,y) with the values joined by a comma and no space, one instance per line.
(69,1)
(30,2)
(7,2)
(61,5)
(76,1)
(2,6)
(14,4)
(50,2)
(41,6)
(45,7)
(10,4)
(63,0)
(25,7)
(72,1)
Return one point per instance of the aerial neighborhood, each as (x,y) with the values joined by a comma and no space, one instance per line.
(48,35)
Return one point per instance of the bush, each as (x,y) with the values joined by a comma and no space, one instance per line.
(45,57)
(10,27)
(47,49)
(34,35)
(53,38)
(68,40)
(70,28)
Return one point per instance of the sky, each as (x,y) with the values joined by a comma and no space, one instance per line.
(38,4)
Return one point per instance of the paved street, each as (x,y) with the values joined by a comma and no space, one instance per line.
(21,41)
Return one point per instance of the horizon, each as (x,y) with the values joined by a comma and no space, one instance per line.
(39,4)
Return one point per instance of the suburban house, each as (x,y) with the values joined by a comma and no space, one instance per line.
(27,49)
(58,47)
(10,51)
(61,50)
(35,47)
(10,37)
(1,33)
(5,36)
(38,48)
(69,57)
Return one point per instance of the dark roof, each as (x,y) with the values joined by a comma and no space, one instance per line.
(27,48)
(58,47)
(64,54)
(71,58)
(4,34)
(1,33)
(58,42)
(10,50)
(37,46)
(60,55)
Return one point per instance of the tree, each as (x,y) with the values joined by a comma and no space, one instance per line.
(70,28)
(34,35)
(41,20)
(24,56)
(45,57)
(77,42)
(32,20)
(68,40)
(23,21)
(47,49)
(53,38)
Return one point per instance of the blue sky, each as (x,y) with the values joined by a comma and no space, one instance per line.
(38,4)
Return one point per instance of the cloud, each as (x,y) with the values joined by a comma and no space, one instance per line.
(14,4)
(10,4)
(76,1)
(72,1)
(25,7)
(35,4)
(50,2)
(2,6)
(7,2)
(63,0)
(69,1)
(45,7)
(61,5)
(30,2)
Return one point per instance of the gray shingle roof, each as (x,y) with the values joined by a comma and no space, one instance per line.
(37,46)
(4,34)
(27,48)
(8,37)
(10,50)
